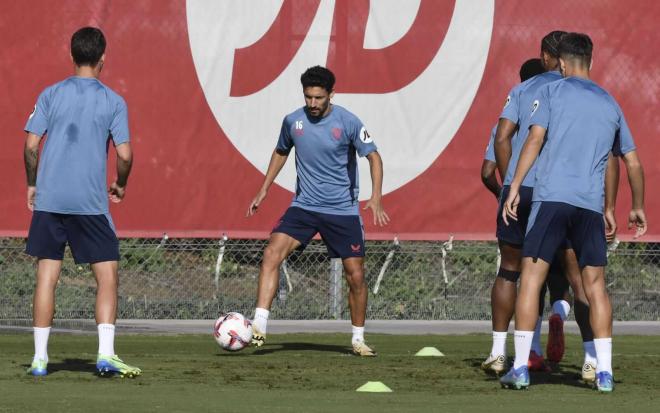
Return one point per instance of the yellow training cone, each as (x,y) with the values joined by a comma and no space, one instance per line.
(374,387)
(429,352)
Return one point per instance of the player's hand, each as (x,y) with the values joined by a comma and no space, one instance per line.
(637,218)
(610,226)
(254,205)
(31,193)
(116,193)
(380,216)
(510,209)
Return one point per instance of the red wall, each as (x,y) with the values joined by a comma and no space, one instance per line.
(188,178)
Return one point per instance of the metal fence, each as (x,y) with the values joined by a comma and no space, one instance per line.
(200,278)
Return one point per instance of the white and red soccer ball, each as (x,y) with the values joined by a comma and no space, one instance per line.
(232,331)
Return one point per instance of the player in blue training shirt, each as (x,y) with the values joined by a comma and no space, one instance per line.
(489,166)
(577,124)
(326,138)
(68,195)
(509,142)
(510,238)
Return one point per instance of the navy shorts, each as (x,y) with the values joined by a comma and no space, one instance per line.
(91,238)
(514,233)
(343,235)
(551,223)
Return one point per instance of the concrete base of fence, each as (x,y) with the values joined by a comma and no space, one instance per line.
(406,327)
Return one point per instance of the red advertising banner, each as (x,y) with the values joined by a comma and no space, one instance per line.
(208,82)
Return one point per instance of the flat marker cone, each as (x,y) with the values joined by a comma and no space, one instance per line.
(374,387)
(429,352)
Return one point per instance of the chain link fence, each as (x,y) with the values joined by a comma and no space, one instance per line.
(200,278)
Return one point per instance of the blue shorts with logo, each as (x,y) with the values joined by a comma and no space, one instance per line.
(514,233)
(91,238)
(551,223)
(343,235)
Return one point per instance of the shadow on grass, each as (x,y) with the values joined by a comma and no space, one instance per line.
(80,365)
(563,375)
(274,348)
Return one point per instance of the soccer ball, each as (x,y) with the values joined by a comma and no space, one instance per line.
(232,331)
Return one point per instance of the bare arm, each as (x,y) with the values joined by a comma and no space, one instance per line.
(611,189)
(637,217)
(31,160)
(505,130)
(488,177)
(376,167)
(528,155)
(611,182)
(277,161)
(117,189)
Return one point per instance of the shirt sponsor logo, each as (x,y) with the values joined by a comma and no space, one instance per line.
(364,136)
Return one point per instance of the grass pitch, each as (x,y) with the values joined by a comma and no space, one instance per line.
(313,373)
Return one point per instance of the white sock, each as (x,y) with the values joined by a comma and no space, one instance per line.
(41,343)
(499,344)
(536,341)
(561,307)
(589,352)
(106,339)
(261,319)
(522,341)
(603,354)
(358,334)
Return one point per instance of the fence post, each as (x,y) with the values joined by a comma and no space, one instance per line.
(282,284)
(386,264)
(336,272)
(218,263)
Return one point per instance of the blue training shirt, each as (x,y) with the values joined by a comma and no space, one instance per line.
(516,109)
(490,149)
(326,164)
(583,124)
(79,116)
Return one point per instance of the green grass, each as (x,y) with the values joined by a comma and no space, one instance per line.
(312,373)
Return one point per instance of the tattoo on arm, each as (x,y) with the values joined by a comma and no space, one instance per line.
(31,158)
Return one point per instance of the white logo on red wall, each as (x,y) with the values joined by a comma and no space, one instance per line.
(408,68)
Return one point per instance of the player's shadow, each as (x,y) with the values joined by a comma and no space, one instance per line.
(564,375)
(559,375)
(274,348)
(80,365)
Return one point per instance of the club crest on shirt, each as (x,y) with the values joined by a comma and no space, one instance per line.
(364,136)
(336,133)
(535,106)
(507,101)
(32,113)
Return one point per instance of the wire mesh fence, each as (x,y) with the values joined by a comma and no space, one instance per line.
(200,278)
